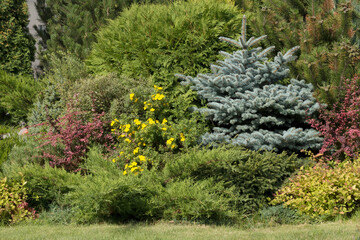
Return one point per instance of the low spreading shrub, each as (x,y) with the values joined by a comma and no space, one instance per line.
(322,190)
(340,125)
(26,152)
(204,201)
(55,215)
(255,175)
(105,194)
(46,186)
(282,215)
(13,204)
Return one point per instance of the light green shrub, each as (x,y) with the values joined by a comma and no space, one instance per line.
(64,69)
(105,194)
(55,215)
(6,144)
(46,186)
(323,190)
(17,94)
(13,205)
(61,72)
(161,40)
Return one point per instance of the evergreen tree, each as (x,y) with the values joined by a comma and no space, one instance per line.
(17,47)
(325,30)
(71,24)
(248,105)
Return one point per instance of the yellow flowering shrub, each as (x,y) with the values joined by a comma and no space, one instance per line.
(153,131)
(13,205)
(323,190)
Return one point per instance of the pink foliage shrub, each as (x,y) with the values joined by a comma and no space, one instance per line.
(73,135)
(340,126)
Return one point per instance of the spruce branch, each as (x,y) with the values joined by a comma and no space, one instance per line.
(231,41)
(253,42)
(243,31)
(266,51)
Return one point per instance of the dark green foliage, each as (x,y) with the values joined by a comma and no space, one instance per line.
(325,30)
(356,21)
(247,4)
(17,94)
(71,25)
(255,176)
(46,186)
(161,40)
(17,46)
(205,201)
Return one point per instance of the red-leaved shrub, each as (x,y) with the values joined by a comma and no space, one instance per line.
(340,126)
(73,135)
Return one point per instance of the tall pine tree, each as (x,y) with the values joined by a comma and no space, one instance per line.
(17,46)
(248,105)
(326,31)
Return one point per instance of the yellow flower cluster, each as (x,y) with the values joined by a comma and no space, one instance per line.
(155,97)
(141,134)
(113,122)
(133,167)
(157,88)
(158,97)
(182,137)
(132,95)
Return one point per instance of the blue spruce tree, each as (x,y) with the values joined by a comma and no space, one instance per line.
(249,106)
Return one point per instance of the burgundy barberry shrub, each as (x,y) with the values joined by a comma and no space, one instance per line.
(340,126)
(73,134)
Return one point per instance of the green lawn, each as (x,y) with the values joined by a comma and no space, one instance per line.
(337,230)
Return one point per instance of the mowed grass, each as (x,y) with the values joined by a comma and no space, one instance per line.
(334,230)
